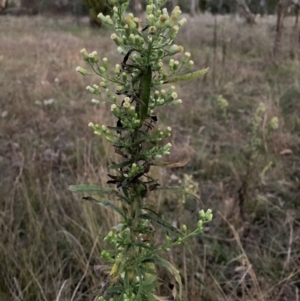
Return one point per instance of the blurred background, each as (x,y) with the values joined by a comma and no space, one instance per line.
(50,240)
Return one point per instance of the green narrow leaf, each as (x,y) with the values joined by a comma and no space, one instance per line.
(156,219)
(166,264)
(96,190)
(147,287)
(91,188)
(105,203)
(122,164)
(189,76)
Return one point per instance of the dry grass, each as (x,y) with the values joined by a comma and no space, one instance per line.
(51,240)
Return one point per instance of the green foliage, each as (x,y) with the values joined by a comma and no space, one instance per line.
(230,6)
(133,91)
(253,151)
(221,7)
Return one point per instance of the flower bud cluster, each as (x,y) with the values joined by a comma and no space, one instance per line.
(129,297)
(95,89)
(92,57)
(273,123)
(173,65)
(116,238)
(255,140)
(163,97)
(102,131)
(205,217)
(156,152)
(223,105)
(163,151)
(106,256)
(257,118)
(134,170)
(106,19)
(126,114)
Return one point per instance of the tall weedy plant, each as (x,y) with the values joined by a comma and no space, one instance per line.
(133,91)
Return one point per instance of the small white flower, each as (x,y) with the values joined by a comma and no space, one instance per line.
(81,70)
(117,68)
(113,107)
(90,89)
(83,51)
(95,101)
(182,21)
(152,30)
(126,104)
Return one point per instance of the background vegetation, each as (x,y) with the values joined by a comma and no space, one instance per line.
(214,6)
(50,240)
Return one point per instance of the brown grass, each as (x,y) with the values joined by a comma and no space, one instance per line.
(50,240)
